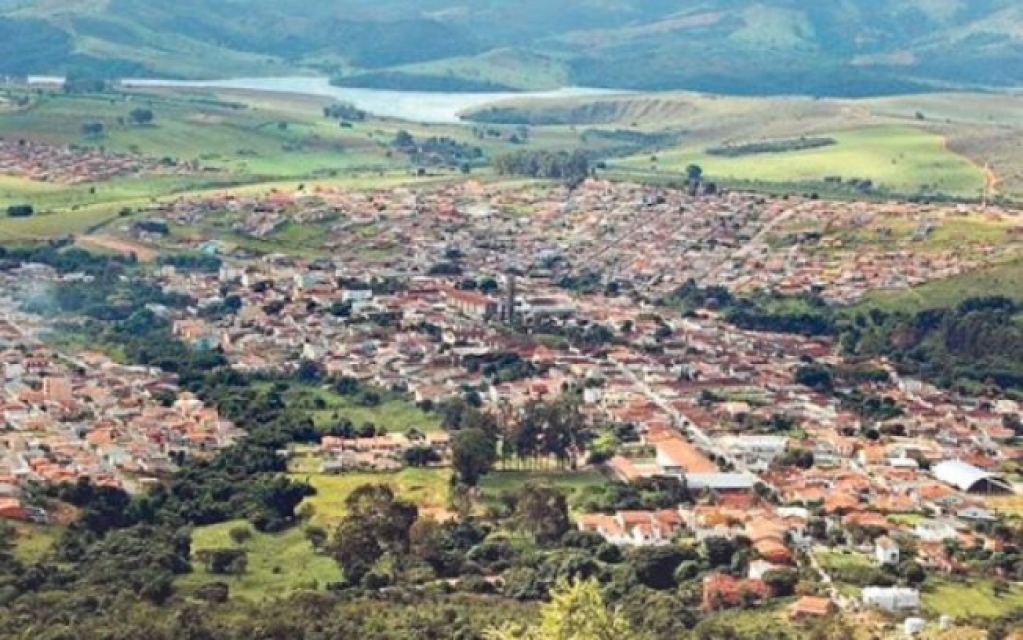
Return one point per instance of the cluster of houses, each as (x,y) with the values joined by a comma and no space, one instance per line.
(66,417)
(77,164)
(417,296)
(656,238)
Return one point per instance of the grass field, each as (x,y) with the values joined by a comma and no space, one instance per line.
(395,413)
(836,560)
(427,488)
(571,482)
(277,563)
(896,158)
(1004,279)
(974,597)
(34,540)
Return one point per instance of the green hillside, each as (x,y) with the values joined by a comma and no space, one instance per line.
(850,48)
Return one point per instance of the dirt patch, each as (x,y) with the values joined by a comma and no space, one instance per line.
(110,243)
(206,118)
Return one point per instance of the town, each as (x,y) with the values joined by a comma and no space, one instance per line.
(871,480)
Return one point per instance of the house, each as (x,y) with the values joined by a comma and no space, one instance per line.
(809,607)
(974,513)
(934,530)
(886,551)
(891,599)
(757,452)
(13,509)
(634,528)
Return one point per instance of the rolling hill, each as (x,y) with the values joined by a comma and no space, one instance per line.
(841,48)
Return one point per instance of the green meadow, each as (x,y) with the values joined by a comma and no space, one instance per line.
(898,159)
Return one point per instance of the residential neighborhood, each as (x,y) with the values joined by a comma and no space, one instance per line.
(462,291)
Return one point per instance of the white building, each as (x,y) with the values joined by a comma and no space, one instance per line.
(891,598)
(935,530)
(356,295)
(756,452)
(886,551)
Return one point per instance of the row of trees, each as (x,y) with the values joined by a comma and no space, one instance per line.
(572,167)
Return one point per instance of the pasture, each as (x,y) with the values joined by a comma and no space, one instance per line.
(896,159)
(427,488)
(278,563)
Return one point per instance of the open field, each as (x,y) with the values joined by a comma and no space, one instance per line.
(969,598)
(277,563)
(111,244)
(34,540)
(427,488)
(1005,279)
(570,482)
(896,159)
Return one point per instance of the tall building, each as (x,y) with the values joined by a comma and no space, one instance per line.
(509,304)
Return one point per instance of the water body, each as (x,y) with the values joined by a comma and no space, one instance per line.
(415,106)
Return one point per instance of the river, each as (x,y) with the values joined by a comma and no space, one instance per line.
(414,106)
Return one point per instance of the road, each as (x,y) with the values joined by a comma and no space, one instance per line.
(695,433)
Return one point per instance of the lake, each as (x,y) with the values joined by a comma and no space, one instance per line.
(415,106)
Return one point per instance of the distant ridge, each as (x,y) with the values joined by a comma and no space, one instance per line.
(769,47)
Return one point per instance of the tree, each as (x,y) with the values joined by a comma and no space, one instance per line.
(781,581)
(543,512)
(92,129)
(240,535)
(421,456)
(141,116)
(473,453)
(317,536)
(376,522)
(656,566)
(577,611)
(20,211)
(719,551)
(224,561)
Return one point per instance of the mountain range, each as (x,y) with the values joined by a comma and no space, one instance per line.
(832,48)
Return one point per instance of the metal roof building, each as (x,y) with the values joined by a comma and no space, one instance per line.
(969,478)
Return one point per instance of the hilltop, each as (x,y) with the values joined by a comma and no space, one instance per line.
(858,47)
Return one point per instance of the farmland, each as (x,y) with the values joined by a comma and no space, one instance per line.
(895,159)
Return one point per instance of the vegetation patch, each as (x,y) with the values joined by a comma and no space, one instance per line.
(770,146)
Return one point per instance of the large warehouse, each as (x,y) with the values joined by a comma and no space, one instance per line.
(969,478)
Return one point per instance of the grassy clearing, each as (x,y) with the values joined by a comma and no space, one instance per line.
(900,159)
(571,482)
(394,413)
(33,540)
(427,488)
(277,563)
(746,623)
(974,597)
(1004,279)
(835,560)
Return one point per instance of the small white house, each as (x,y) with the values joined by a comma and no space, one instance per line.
(935,530)
(356,295)
(891,598)
(886,551)
(913,626)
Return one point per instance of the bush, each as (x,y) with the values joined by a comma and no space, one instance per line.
(20,211)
